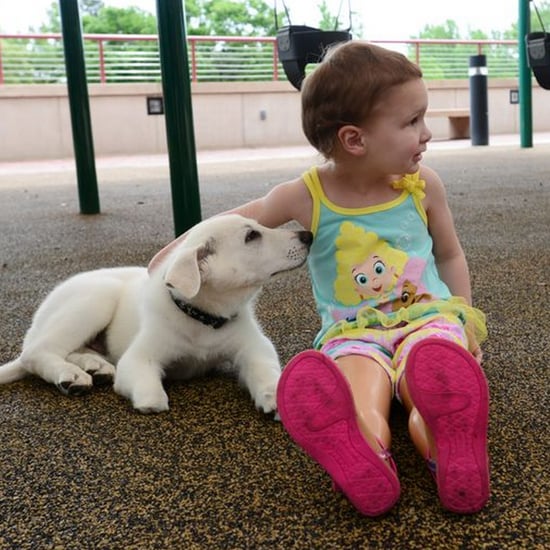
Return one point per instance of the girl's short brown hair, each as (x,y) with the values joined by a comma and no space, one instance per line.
(346,86)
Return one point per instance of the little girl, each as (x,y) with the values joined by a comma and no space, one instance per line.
(391,285)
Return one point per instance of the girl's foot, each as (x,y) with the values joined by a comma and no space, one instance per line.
(316,408)
(449,389)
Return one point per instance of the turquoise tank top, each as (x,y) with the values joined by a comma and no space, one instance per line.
(374,263)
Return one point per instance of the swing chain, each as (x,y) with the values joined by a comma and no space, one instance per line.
(538,16)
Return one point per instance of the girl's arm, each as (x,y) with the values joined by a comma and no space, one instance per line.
(449,255)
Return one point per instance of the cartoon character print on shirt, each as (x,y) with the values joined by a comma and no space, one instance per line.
(369,272)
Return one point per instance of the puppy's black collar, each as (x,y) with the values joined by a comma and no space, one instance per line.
(203,317)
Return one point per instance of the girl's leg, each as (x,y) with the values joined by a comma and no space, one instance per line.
(418,430)
(372,394)
(317,406)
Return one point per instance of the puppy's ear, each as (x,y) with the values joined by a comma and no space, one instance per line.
(184,273)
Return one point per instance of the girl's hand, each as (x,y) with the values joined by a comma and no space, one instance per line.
(478,354)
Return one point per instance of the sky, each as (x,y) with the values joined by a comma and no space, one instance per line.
(381,20)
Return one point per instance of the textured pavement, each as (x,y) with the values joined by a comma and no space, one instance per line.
(88,472)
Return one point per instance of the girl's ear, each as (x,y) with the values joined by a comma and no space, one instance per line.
(352,139)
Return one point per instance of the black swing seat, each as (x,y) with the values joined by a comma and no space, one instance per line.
(298,45)
(538,56)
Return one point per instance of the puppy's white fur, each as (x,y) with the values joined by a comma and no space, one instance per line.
(218,269)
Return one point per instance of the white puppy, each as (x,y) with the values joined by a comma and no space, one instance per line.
(193,313)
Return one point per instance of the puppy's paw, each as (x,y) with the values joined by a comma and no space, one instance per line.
(70,383)
(266,399)
(99,368)
(262,381)
(151,402)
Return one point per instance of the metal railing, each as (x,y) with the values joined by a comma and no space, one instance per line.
(117,58)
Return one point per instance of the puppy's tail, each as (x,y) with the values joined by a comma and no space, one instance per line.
(12,371)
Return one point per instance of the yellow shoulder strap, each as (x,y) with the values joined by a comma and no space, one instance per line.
(312,182)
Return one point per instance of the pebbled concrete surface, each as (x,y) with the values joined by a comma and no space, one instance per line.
(88,472)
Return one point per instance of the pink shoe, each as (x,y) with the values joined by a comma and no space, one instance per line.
(316,407)
(449,389)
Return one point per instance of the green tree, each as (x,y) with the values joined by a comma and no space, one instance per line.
(535,23)
(230,18)
(441,61)
(110,20)
(544,13)
(101,19)
(91,7)
(448,29)
(203,17)
(452,61)
(120,55)
(329,21)
(53,23)
(97,18)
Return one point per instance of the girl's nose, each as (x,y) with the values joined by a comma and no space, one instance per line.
(426,134)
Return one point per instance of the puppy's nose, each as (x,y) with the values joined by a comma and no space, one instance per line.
(305,237)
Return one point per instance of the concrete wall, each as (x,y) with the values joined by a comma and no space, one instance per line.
(35,120)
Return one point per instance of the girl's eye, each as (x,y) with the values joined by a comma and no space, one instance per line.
(418,118)
(361,279)
(379,267)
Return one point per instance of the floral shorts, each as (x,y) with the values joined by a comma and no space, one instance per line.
(390,347)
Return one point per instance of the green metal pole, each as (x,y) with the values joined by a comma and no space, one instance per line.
(80,107)
(525,85)
(178,111)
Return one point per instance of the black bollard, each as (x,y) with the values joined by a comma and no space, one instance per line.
(479,104)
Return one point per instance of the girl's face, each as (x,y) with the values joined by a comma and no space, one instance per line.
(396,134)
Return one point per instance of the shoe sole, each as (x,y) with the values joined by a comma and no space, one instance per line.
(449,389)
(316,408)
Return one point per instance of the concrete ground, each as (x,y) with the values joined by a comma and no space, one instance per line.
(213,472)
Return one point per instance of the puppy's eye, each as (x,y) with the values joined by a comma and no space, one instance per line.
(252,235)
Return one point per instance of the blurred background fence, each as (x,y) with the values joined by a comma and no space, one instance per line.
(117,58)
